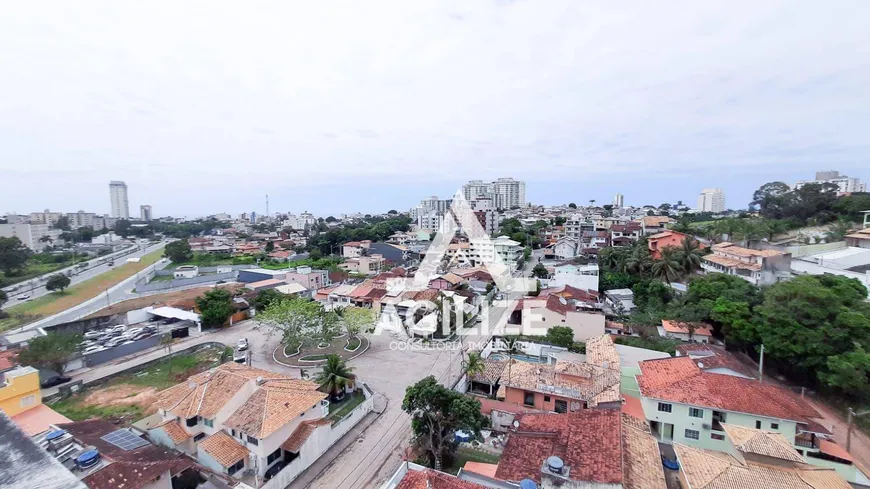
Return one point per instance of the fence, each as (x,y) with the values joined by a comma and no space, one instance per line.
(323,438)
(183,282)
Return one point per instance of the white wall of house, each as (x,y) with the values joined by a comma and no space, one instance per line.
(680,419)
(274,441)
(207,460)
(696,338)
(585,325)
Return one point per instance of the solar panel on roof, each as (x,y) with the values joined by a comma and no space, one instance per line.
(124,440)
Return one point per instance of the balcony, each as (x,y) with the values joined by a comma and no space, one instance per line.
(807,441)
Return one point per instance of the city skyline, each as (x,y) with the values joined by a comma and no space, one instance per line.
(426,96)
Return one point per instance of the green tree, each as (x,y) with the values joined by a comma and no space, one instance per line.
(265,298)
(62,223)
(772,199)
(335,376)
(57,282)
(668,266)
(848,372)
(178,251)
(540,271)
(437,413)
(215,307)
(357,319)
(52,351)
(560,336)
(13,255)
(572,205)
(837,231)
(270,247)
(3,297)
(652,295)
(300,320)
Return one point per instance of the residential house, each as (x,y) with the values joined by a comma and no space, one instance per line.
(659,241)
(457,254)
(756,459)
(447,281)
(185,271)
(235,418)
(625,234)
(579,298)
(717,360)
(538,315)
(308,277)
(364,265)
(354,249)
(758,267)
(293,289)
(265,284)
(619,300)
(575,275)
(690,332)
(569,385)
(566,248)
(412,476)
(685,404)
(21,400)
(859,239)
(123,458)
(393,253)
(576,225)
(655,224)
(595,448)
(592,241)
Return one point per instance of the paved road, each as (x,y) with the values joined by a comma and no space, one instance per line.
(98,267)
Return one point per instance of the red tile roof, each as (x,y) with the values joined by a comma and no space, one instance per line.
(551,302)
(632,407)
(680,380)
(486,470)
(7,359)
(569,292)
(38,419)
(713,356)
(587,441)
(301,433)
(430,479)
(701,329)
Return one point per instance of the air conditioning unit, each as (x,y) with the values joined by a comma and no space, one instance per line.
(707,426)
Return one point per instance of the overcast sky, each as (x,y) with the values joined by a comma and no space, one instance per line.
(335,106)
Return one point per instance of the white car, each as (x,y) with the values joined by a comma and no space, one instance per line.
(242,344)
(23,297)
(93,349)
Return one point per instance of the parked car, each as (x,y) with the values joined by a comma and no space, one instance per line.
(134,331)
(23,297)
(119,327)
(93,349)
(242,344)
(93,334)
(56,380)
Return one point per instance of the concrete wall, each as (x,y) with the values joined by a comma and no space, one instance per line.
(183,282)
(120,351)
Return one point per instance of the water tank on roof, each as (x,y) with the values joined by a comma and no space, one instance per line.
(88,459)
(555,464)
(54,435)
(528,484)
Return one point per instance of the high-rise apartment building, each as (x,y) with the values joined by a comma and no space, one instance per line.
(711,200)
(844,184)
(504,193)
(618,200)
(118,197)
(45,217)
(81,219)
(145,212)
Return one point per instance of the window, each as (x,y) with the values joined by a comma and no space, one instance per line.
(546,398)
(28,401)
(665,407)
(192,421)
(253,441)
(757,425)
(693,434)
(561,406)
(717,436)
(529,399)
(208,422)
(236,467)
(273,456)
(774,426)
(198,437)
(696,413)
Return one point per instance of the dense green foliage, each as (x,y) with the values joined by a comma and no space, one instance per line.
(540,271)
(215,307)
(514,229)
(375,229)
(266,298)
(178,251)
(335,376)
(560,336)
(13,255)
(57,282)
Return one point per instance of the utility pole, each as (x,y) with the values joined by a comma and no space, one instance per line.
(761,365)
(850,418)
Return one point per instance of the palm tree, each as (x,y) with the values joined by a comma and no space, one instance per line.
(475,364)
(335,376)
(638,261)
(837,231)
(668,267)
(689,255)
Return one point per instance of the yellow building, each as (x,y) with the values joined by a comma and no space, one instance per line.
(21,400)
(19,390)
